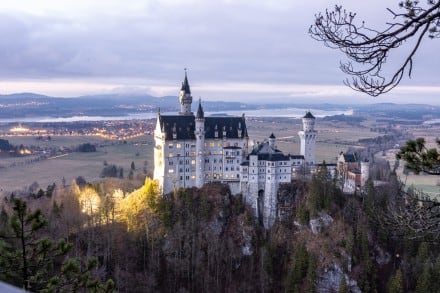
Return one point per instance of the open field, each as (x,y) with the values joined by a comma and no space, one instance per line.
(426,183)
(72,165)
(332,138)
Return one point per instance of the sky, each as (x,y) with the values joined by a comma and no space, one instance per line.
(234,50)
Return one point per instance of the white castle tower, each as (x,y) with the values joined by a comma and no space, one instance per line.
(200,143)
(365,172)
(308,139)
(185,98)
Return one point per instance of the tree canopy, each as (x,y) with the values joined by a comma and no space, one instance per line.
(369,49)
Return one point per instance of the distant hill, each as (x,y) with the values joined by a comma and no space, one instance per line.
(28,105)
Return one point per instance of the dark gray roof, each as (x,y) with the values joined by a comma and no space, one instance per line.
(200,113)
(297,157)
(309,115)
(266,153)
(273,157)
(184,125)
(350,158)
(235,127)
(185,85)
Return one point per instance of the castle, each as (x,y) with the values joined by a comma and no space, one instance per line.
(191,150)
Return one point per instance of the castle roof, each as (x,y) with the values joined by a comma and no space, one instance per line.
(185,85)
(350,158)
(200,113)
(297,157)
(309,115)
(267,153)
(183,127)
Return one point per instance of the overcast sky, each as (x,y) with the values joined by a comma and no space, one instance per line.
(249,50)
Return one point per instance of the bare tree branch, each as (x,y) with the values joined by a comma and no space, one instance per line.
(369,48)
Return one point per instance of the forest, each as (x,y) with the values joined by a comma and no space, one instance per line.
(113,237)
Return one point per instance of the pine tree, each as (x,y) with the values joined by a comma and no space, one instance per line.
(395,285)
(32,262)
(424,280)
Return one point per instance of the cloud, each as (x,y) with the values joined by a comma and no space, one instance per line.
(232,48)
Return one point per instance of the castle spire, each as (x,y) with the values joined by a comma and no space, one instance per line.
(185,85)
(200,114)
(185,97)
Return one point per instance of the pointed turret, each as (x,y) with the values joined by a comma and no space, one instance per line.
(185,85)
(200,114)
(185,97)
(200,145)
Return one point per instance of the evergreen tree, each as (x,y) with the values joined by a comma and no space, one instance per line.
(35,263)
(395,285)
(424,280)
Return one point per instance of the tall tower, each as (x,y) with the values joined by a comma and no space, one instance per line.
(200,143)
(308,138)
(185,98)
(365,172)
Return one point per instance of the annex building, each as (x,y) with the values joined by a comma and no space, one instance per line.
(191,150)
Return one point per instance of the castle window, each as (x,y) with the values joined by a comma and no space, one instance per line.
(219,144)
(211,144)
(170,146)
(171,171)
(180,170)
(193,177)
(238,175)
(178,146)
(181,177)
(193,162)
(226,169)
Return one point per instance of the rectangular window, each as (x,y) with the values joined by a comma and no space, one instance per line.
(212,144)
(170,146)
(178,146)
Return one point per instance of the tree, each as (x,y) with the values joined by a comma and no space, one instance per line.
(395,285)
(419,158)
(38,263)
(370,49)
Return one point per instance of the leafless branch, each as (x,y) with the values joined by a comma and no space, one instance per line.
(369,48)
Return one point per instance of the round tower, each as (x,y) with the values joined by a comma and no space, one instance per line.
(365,172)
(308,138)
(185,98)
(272,141)
(200,143)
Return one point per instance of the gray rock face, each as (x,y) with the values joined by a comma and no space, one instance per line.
(330,280)
(318,224)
